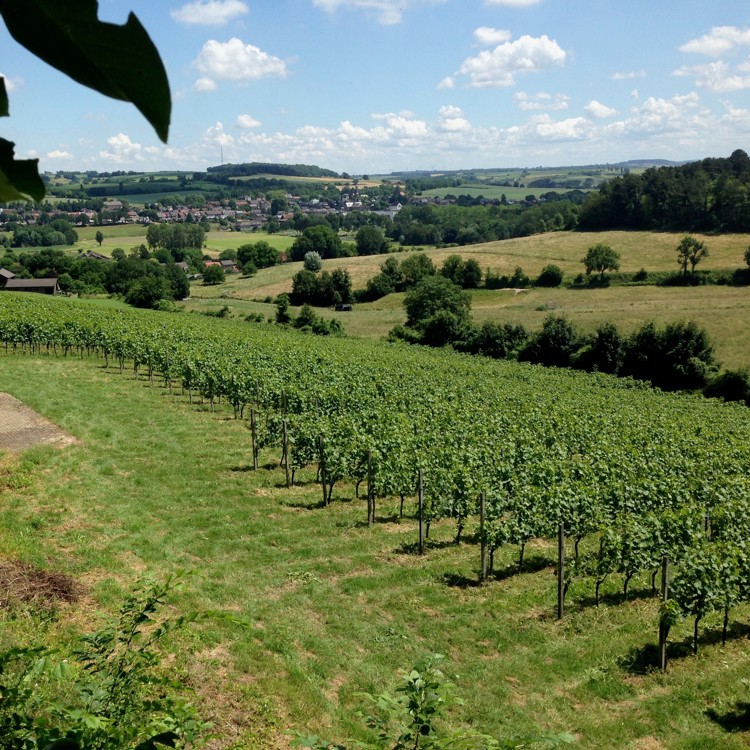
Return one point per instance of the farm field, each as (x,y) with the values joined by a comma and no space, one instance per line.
(722,310)
(334,606)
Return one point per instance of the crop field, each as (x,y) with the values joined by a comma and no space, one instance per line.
(159,482)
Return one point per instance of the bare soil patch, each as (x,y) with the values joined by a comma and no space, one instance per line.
(21,427)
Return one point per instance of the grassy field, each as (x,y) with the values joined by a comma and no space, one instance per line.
(491,192)
(333,607)
(724,311)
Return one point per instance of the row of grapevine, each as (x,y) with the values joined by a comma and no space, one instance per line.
(612,460)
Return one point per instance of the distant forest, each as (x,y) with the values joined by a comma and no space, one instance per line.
(712,195)
(286,170)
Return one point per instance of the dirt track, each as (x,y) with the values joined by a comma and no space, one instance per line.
(22,428)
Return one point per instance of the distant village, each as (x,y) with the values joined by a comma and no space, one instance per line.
(244,214)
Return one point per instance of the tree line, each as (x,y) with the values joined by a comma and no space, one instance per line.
(712,195)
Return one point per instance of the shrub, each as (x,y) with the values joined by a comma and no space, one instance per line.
(109,693)
(551,276)
(312,261)
(731,385)
(554,345)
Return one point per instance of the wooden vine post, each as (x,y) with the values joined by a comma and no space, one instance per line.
(482,536)
(420,501)
(662,625)
(254,434)
(370,492)
(322,465)
(560,571)
(285,452)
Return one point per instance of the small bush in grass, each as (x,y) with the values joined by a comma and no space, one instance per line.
(551,276)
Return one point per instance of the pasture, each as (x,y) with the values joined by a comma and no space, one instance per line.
(723,310)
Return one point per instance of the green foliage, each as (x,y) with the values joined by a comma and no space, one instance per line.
(554,345)
(601,258)
(117,61)
(214,275)
(731,385)
(147,291)
(371,241)
(709,195)
(550,276)
(413,269)
(410,719)
(110,694)
(322,289)
(260,254)
(432,295)
(320,239)
(177,238)
(312,261)
(692,251)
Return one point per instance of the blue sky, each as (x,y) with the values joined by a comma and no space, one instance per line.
(374,86)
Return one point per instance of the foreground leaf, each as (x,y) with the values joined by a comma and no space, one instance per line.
(19,180)
(118,61)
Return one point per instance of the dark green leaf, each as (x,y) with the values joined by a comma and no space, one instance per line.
(63,744)
(118,61)
(4,110)
(19,180)
(165,739)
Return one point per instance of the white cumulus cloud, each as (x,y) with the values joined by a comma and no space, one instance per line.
(386,12)
(541,101)
(247,121)
(205,84)
(628,75)
(236,61)
(513,3)
(210,12)
(452,120)
(719,41)
(499,67)
(58,154)
(599,110)
(717,76)
(122,150)
(487,36)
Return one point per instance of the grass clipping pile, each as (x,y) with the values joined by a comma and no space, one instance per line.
(22,428)
(21,583)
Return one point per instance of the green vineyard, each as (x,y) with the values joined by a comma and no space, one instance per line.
(632,475)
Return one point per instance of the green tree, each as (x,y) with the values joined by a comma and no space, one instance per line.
(432,294)
(147,291)
(214,275)
(601,258)
(453,269)
(312,261)
(554,345)
(415,268)
(117,61)
(472,276)
(321,239)
(99,237)
(371,241)
(692,251)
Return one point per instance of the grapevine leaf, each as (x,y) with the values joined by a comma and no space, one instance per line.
(19,180)
(117,61)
